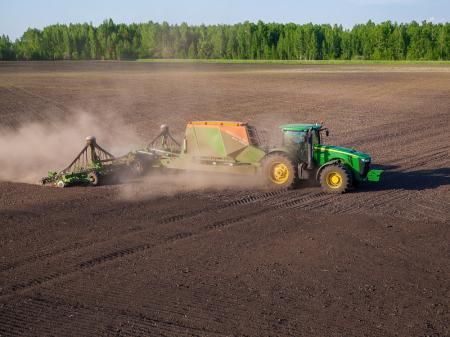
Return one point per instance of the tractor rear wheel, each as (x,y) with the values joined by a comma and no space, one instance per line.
(278,171)
(336,179)
(93,178)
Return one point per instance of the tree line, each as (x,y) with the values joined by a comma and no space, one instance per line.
(243,41)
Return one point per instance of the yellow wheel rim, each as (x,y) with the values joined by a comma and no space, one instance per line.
(334,180)
(279,173)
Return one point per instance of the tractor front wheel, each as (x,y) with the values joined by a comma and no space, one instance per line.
(336,179)
(279,172)
(93,178)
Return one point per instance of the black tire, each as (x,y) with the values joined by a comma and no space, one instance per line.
(93,178)
(278,171)
(336,178)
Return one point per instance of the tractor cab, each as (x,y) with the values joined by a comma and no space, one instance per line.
(299,140)
(299,133)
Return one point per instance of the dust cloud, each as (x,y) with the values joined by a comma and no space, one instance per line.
(30,151)
(167,184)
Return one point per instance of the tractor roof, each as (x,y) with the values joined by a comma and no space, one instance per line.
(300,127)
(218,123)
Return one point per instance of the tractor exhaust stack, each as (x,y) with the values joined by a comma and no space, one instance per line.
(310,164)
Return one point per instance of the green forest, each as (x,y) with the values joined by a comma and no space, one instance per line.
(244,41)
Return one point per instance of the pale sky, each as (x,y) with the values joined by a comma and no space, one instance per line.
(17,16)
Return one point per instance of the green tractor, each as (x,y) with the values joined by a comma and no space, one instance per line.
(235,148)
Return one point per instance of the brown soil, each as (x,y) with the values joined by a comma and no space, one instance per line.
(145,258)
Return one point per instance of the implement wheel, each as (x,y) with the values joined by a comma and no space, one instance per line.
(278,170)
(138,168)
(336,179)
(93,178)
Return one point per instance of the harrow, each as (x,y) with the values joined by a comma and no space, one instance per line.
(92,166)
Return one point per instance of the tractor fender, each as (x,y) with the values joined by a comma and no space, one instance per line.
(331,162)
(274,151)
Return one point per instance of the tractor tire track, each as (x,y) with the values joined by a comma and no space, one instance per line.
(141,229)
(238,202)
(39,308)
(120,253)
(127,251)
(308,201)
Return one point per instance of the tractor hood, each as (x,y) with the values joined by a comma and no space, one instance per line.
(342,151)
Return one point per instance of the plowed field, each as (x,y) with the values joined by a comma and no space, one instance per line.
(168,256)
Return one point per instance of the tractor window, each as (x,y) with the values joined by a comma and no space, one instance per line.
(253,136)
(316,137)
(294,137)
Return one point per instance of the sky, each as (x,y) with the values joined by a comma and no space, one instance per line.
(17,16)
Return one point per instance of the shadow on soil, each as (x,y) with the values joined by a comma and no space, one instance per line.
(412,180)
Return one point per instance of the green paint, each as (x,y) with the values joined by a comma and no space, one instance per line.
(251,155)
(354,160)
(374,175)
(232,145)
(209,142)
(300,127)
(339,151)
